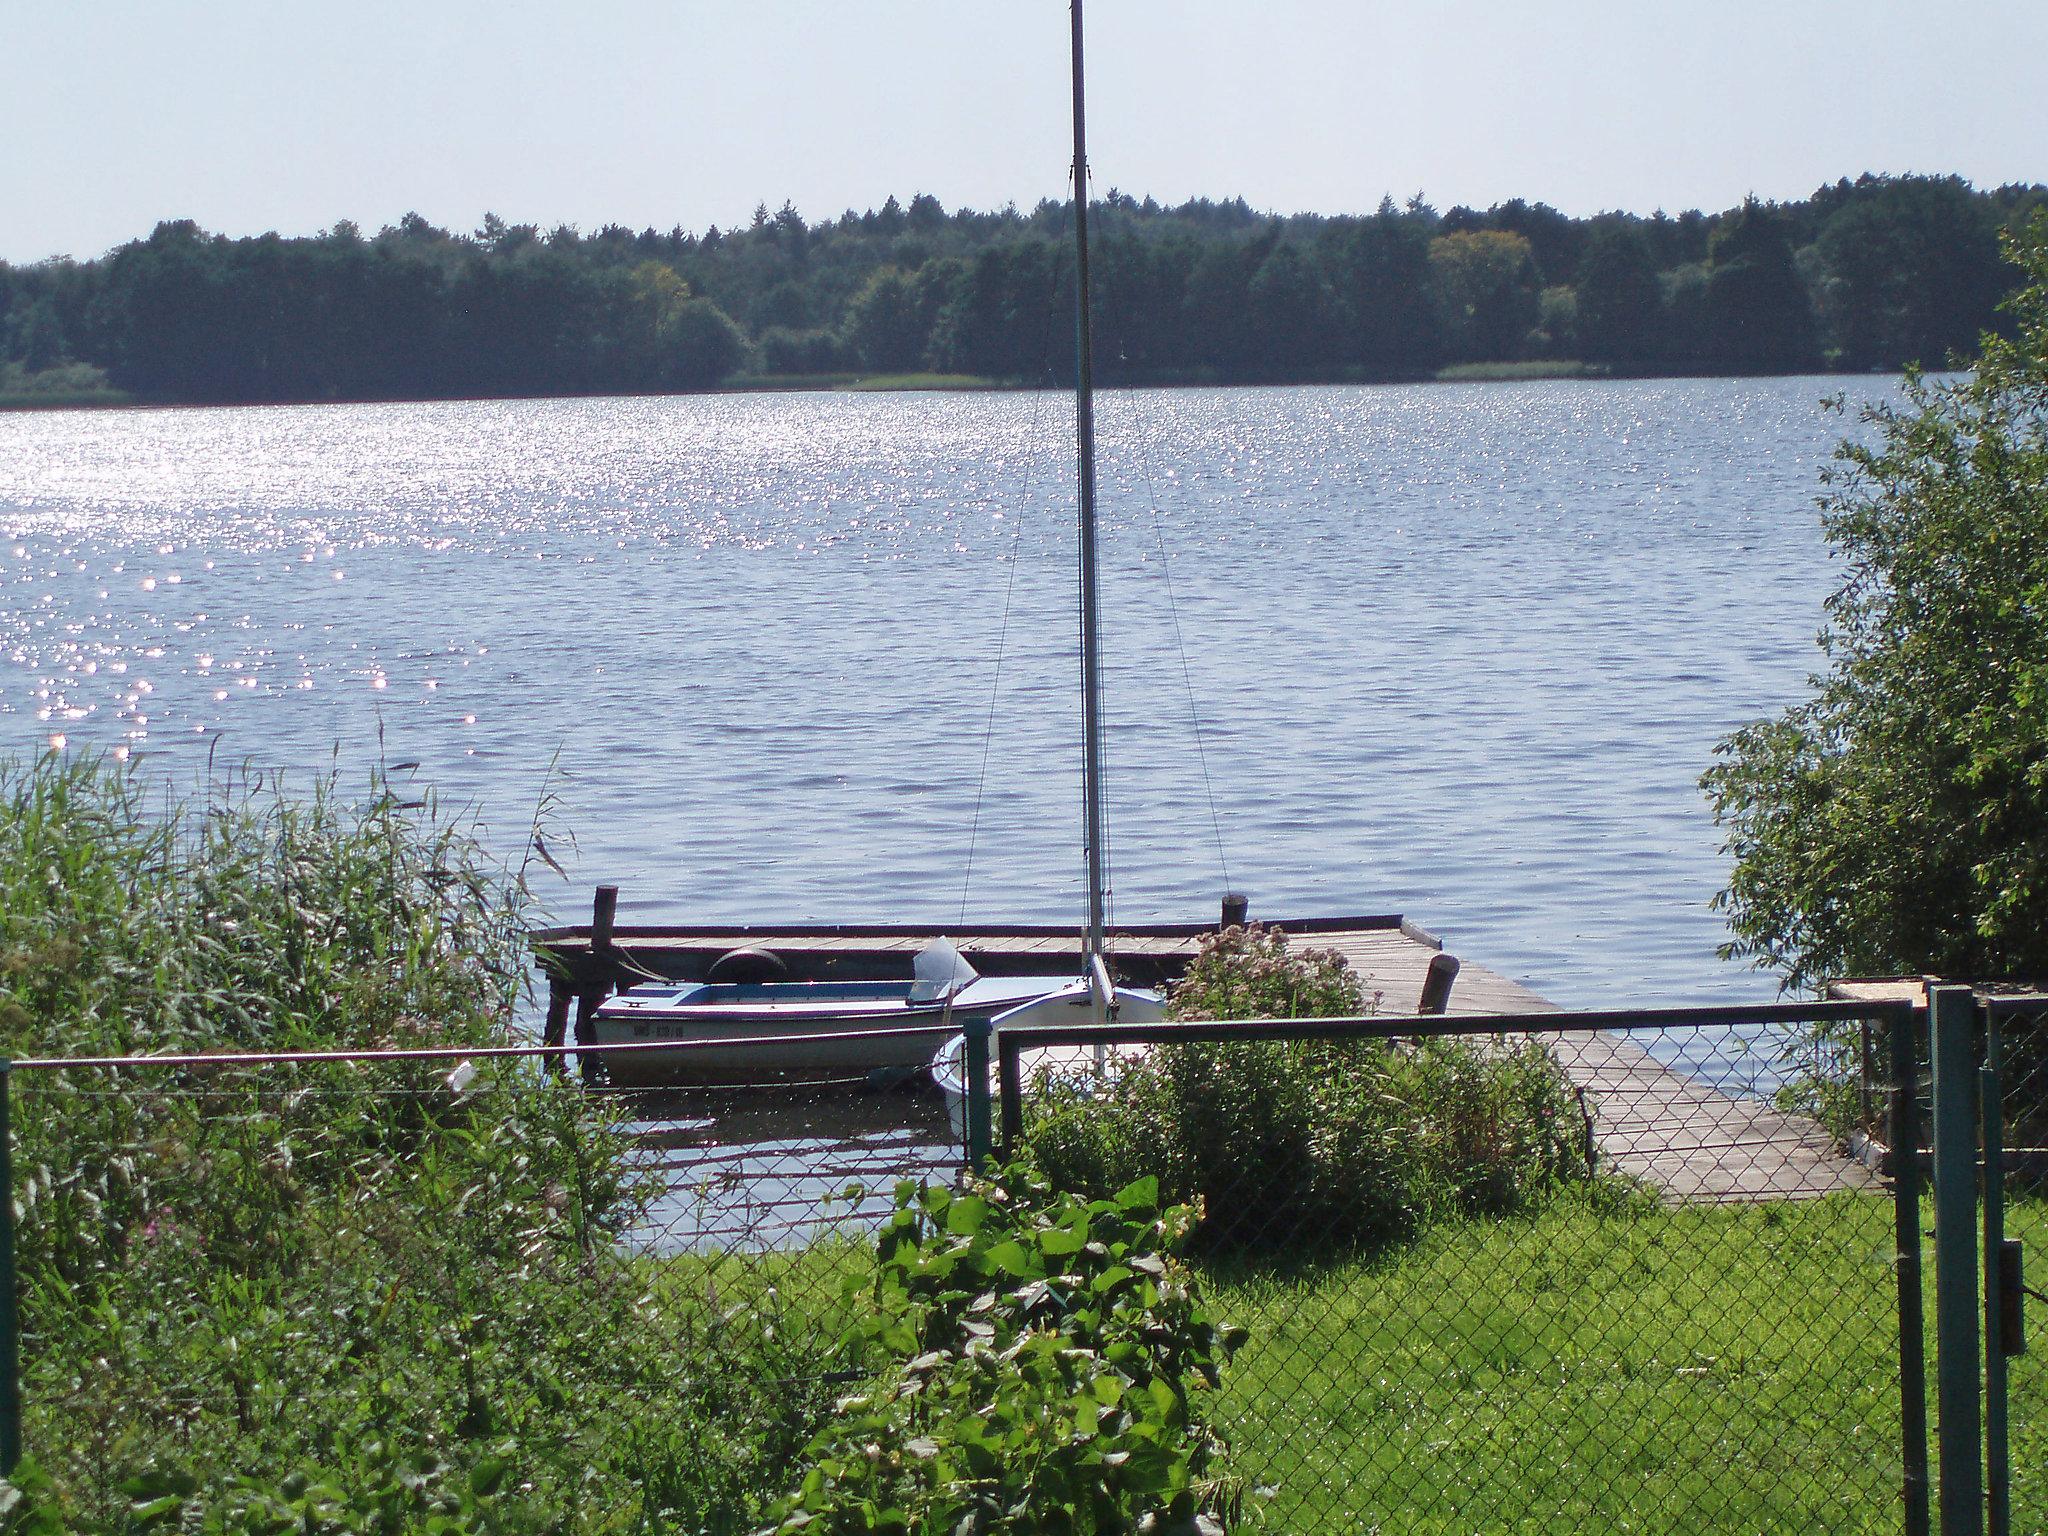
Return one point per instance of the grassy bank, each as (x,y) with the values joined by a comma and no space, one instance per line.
(1480,373)
(863,383)
(68,384)
(939,381)
(1604,1364)
(56,401)
(339,1296)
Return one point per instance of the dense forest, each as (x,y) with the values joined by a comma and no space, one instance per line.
(1862,275)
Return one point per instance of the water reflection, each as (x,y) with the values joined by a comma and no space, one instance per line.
(760,1169)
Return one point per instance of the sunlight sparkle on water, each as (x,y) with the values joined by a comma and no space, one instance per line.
(1460,652)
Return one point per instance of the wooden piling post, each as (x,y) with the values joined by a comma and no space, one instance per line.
(1236,909)
(597,979)
(1436,983)
(556,1031)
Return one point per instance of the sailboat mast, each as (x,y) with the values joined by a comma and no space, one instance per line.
(1084,431)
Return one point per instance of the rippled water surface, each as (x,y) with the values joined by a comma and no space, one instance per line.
(1458,651)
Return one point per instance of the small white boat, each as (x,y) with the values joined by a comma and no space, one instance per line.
(1073,1003)
(735,1033)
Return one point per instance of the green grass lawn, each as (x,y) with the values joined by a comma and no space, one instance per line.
(61,400)
(1620,1367)
(1711,1369)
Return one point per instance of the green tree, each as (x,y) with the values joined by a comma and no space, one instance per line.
(1221,331)
(1557,323)
(31,333)
(1140,288)
(1897,821)
(1759,316)
(1912,271)
(1486,292)
(701,346)
(996,322)
(1621,305)
(1379,268)
(1685,337)
(885,323)
(1291,311)
(1895,266)
(800,352)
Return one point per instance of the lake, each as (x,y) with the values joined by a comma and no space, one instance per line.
(1456,651)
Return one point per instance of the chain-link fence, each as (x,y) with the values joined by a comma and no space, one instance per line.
(1580,1273)
(2014,1139)
(1594,1273)
(2019,1024)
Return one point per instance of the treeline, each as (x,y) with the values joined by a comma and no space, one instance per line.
(1869,274)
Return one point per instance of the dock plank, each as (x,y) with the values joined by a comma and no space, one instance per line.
(1694,1142)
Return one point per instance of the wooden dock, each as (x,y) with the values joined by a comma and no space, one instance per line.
(1391,955)
(1688,1139)
(1683,1136)
(1693,1142)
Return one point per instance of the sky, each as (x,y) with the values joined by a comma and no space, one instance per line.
(252,115)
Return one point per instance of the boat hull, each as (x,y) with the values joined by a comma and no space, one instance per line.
(708,1036)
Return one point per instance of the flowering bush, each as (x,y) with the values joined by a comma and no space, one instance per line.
(1252,973)
(1288,1145)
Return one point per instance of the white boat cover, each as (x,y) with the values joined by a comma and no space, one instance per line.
(939,971)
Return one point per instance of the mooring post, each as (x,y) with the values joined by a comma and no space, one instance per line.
(1236,909)
(10,1320)
(597,976)
(1436,983)
(1905,1138)
(556,1030)
(978,1032)
(1952,1021)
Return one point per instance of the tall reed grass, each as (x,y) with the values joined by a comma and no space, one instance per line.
(367,1296)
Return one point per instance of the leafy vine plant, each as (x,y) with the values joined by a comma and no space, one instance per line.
(1048,1361)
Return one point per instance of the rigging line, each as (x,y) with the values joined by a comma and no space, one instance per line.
(1031,438)
(996,688)
(1186,674)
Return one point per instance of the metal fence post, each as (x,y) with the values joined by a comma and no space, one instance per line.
(977,1032)
(1997,1465)
(10,1322)
(1952,1023)
(1010,1068)
(1905,1137)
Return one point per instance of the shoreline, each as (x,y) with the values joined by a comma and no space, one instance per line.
(1563,370)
